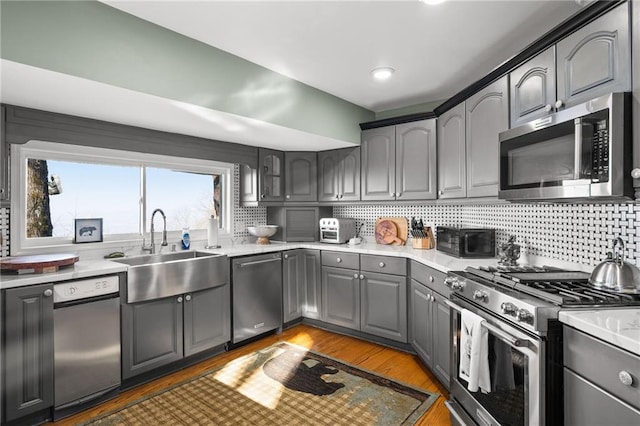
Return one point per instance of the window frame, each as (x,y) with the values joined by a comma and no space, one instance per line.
(20,244)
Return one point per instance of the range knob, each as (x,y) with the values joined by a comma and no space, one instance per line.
(480,295)
(509,308)
(449,281)
(524,316)
(458,285)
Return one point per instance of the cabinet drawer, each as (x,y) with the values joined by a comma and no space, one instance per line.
(340,259)
(602,363)
(383,264)
(430,277)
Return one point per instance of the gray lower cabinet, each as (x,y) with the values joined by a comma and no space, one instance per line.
(28,356)
(162,331)
(383,299)
(430,320)
(207,319)
(152,335)
(341,297)
(301,284)
(600,382)
(596,59)
(300,176)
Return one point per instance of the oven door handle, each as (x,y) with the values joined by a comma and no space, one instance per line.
(513,341)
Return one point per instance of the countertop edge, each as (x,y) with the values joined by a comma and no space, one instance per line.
(619,327)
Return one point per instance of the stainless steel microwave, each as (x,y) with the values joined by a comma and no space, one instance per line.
(466,242)
(582,153)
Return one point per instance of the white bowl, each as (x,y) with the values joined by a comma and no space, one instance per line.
(262,231)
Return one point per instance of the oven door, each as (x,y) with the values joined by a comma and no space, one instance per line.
(516,371)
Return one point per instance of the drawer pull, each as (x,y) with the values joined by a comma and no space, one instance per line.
(431,279)
(48,293)
(381,264)
(625,378)
(339,260)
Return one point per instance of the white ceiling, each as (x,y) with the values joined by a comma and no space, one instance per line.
(436,50)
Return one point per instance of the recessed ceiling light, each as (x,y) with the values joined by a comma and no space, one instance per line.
(382,73)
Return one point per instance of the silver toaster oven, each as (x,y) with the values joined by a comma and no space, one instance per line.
(337,230)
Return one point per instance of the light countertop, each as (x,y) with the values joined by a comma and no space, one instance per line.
(620,327)
(81,269)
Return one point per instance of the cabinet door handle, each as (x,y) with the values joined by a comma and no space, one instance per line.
(187,297)
(288,196)
(626,378)
(431,279)
(548,108)
(393,194)
(339,259)
(286,256)
(337,196)
(440,192)
(361,277)
(398,194)
(381,264)
(48,293)
(262,195)
(559,104)
(355,276)
(179,299)
(340,197)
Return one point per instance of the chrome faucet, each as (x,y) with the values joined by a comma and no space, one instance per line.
(152,248)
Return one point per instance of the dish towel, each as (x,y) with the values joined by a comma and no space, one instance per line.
(474,353)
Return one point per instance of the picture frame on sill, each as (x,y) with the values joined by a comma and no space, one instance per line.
(88,230)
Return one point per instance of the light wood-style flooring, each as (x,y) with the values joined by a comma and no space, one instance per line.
(385,361)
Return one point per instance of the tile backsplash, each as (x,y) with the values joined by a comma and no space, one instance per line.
(579,233)
(4,232)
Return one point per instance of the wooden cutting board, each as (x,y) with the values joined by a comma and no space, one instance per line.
(38,264)
(391,230)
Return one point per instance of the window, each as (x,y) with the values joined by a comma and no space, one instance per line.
(58,183)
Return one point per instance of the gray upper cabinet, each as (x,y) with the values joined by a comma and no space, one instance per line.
(487,114)
(415,166)
(533,88)
(596,59)
(301,176)
(270,175)
(4,162)
(452,173)
(339,175)
(28,345)
(248,184)
(399,162)
(378,150)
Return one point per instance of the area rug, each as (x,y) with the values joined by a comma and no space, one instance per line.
(283,384)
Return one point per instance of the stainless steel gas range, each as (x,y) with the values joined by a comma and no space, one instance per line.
(519,306)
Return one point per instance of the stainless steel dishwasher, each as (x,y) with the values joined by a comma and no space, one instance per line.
(256,290)
(86,335)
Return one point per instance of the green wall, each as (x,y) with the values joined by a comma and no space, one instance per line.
(424,107)
(94,41)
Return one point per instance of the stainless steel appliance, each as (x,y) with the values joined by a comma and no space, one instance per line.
(581,153)
(337,230)
(86,331)
(256,291)
(466,242)
(520,308)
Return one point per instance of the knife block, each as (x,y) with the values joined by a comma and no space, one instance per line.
(425,243)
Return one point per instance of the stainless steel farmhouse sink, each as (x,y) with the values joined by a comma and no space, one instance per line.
(168,274)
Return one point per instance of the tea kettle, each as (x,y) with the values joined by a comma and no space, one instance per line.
(614,274)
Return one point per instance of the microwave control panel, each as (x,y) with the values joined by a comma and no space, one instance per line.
(600,156)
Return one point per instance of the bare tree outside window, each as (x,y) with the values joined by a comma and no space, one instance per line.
(38,208)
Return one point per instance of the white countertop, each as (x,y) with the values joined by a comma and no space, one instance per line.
(620,327)
(80,269)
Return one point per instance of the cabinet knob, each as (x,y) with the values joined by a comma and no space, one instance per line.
(626,378)
(433,299)
(179,299)
(262,195)
(355,276)
(559,103)
(187,297)
(381,264)
(361,277)
(339,259)
(548,108)
(440,192)
(340,197)
(393,194)
(48,293)
(635,173)
(288,196)
(337,196)
(286,256)
(398,194)
(1,190)
(431,279)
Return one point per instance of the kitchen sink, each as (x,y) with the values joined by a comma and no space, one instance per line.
(156,276)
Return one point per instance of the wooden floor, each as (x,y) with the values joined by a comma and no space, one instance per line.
(382,360)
